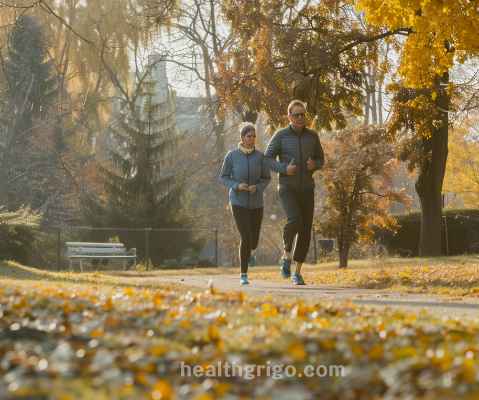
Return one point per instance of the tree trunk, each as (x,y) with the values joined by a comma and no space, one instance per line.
(431,176)
(344,247)
(372,87)
(367,97)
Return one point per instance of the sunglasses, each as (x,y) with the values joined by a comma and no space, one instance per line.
(297,115)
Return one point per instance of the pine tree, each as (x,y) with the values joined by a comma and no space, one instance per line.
(29,138)
(142,189)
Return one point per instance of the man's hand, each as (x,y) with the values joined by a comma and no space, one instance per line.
(243,187)
(252,188)
(291,169)
(310,164)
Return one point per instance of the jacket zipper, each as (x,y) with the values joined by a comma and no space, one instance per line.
(300,161)
(247,160)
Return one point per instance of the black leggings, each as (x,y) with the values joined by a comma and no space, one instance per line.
(248,222)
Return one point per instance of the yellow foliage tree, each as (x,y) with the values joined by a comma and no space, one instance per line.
(439,34)
(462,173)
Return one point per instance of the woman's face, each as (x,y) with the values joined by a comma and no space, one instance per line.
(249,138)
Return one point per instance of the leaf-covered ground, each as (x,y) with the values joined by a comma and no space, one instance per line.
(451,276)
(81,336)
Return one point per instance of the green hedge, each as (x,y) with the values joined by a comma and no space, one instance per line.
(16,242)
(462,228)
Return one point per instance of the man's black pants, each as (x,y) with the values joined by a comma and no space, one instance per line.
(298,205)
(248,222)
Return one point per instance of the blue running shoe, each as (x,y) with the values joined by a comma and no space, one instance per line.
(244,279)
(252,260)
(285,268)
(297,279)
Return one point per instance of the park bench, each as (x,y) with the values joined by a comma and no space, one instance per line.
(326,245)
(94,252)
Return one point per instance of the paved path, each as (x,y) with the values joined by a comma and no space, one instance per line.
(368,297)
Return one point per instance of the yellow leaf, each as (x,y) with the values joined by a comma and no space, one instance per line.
(297,351)
(204,396)
(213,333)
(322,322)
(376,352)
(405,352)
(97,333)
(241,297)
(299,311)
(468,371)
(162,390)
(200,309)
(269,310)
(158,350)
(221,389)
(141,378)
(185,324)
(158,300)
(108,305)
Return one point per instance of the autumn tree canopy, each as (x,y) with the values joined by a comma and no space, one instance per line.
(294,49)
(441,33)
(358,181)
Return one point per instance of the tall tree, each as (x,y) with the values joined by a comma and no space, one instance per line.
(142,189)
(27,162)
(358,183)
(439,35)
(88,39)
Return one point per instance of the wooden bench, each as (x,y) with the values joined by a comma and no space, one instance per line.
(94,252)
(326,245)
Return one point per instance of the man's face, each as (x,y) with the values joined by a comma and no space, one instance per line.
(297,117)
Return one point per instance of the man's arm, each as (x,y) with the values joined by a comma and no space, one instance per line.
(318,154)
(272,152)
(265,175)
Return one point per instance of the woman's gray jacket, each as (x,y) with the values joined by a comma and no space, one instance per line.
(251,169)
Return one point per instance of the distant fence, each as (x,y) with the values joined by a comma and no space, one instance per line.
(163,247)
(155,246)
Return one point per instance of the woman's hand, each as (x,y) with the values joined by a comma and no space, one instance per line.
(243,187)
(252,189)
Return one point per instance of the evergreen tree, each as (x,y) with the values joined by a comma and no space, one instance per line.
(27,160)
(142,188)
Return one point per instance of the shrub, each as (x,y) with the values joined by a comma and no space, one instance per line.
(17,234)
(462,233)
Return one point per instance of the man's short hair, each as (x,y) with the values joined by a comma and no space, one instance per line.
(295,103)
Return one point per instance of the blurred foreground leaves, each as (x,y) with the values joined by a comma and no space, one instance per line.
(79,341)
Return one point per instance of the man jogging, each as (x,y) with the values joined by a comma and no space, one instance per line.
(295,152)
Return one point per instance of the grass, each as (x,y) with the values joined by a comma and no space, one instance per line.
(449,276)
(452,276)
(14,272)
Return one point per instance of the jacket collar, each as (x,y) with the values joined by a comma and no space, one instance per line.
(296,132)
(244,149)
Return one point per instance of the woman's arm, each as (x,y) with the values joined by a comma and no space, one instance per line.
(226,173)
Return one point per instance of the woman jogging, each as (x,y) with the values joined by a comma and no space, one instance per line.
(246,174)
